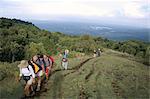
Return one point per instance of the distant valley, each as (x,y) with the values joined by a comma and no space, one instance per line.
(113,32)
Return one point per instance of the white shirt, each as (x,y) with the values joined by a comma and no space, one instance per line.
(27,71)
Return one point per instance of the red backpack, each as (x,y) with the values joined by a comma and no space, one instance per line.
(52,59)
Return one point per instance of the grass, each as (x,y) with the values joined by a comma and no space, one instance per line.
(114,75)
(10,88)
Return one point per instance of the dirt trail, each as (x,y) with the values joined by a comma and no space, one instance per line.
(76,68)
(91,71)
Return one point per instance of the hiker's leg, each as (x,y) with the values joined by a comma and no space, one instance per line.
(27,87)
(63,65)
(66,65)
(27,90)
(47,72)
(39,84)
(39,80)
(32,90)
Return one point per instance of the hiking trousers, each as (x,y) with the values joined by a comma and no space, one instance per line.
(65,65)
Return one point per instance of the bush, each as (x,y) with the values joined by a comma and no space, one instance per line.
(34,49)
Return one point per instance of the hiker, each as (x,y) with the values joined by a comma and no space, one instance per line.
(36,62)
(27,72)
(64,61)
(40,61)
(95,54)
(47,65)
(52,60)
(98,53)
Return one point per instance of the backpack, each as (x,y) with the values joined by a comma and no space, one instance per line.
(35,67)
(64,60)
(49,61)
(52,59)
(26,78)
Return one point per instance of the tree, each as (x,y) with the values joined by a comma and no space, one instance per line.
(34,49)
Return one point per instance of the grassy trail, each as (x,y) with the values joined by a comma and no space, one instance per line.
(105,77)
(111,76)
(73,69)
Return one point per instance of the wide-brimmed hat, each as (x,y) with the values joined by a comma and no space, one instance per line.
(23,64)
(67,51)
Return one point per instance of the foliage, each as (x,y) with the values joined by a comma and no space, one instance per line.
(20,39)
(33,49)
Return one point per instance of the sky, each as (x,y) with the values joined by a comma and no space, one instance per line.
(136,11)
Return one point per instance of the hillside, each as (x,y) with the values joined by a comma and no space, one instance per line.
(109,76)
(121,71)
(112,75)
(25,38)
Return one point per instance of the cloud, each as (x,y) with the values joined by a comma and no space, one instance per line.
(86,8)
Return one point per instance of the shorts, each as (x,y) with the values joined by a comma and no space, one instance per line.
(65,65)
(39,74)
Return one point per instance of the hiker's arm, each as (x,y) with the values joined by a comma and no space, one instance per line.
(32,71)
(20,75)
(43,68)
(50,64)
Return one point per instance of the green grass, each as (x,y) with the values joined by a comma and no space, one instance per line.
(114,75)
(10,88)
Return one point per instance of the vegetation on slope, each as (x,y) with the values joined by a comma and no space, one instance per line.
(115,74)
(20,40)
(109,76)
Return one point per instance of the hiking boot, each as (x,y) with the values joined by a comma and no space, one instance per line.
(38,88)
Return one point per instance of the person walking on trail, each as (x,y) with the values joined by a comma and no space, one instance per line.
(40,61)
(47,65)
(64,61)
(37,65)
(65,54)
(98,52)
(27,72)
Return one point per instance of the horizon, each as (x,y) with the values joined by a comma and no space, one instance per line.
(126,12)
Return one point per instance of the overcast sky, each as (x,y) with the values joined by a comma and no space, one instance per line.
(55,9)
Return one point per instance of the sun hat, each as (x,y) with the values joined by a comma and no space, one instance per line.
(67,51)
(23,64)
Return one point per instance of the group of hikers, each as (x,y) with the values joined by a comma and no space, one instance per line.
(32,71)
(97,53)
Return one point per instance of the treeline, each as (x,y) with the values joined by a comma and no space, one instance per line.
(20,40)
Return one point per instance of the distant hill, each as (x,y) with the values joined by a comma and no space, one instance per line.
(20,39)
(5,22)
(109,31)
